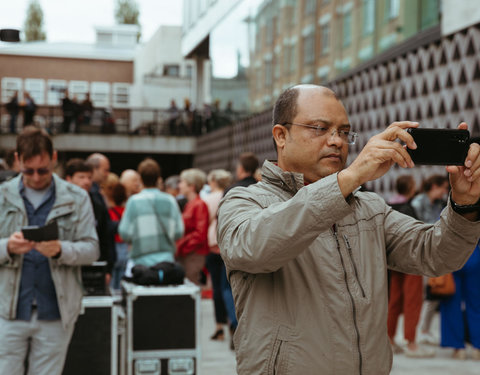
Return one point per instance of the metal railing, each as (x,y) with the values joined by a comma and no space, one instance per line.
(132,121)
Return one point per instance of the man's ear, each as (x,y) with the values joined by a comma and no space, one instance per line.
(68,178)
(279,133)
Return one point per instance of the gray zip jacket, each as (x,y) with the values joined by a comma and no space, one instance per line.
(78,237)
(308,271)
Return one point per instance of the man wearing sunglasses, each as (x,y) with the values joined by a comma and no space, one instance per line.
(40,283)
(307,253)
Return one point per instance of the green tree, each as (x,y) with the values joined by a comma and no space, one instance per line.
(126,12)
(33,27)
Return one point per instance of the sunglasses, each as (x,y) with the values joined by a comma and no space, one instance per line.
(40,171)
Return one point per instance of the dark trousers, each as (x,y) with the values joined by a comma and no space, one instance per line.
(215,267)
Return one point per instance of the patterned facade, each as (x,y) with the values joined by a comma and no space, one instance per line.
(432,80)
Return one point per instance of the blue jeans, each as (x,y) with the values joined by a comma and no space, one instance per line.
(118,270)
(467,290)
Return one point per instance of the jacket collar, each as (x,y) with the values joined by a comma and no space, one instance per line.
(63,195)
(290,181)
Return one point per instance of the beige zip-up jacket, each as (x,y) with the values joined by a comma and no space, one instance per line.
(308,271)
(73,213)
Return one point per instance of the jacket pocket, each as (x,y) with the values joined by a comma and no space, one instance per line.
(279,360)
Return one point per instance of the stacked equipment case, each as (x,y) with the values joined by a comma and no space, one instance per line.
(162,329)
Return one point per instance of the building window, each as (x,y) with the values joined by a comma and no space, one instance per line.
(310,7)
(121,94)
(325,35)
(9,86)
(368,16)
(268,73)
(78,90)
(55,91)
(189,71)
(347,29)
(171,70)
(392,8)
(293,58)
(429,13)
(276,68)
(309,49)
(286,59)
(100,94)
(269,31)
(36,89)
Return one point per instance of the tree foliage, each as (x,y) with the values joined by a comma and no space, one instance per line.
(127,12)
(33,27)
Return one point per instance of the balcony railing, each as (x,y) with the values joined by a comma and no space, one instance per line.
(131,121)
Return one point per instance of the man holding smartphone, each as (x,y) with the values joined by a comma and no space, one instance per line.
(40,282)
(307,253)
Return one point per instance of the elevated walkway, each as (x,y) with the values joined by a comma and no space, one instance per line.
(115,143)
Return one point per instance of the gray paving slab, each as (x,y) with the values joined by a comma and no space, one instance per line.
(218,359)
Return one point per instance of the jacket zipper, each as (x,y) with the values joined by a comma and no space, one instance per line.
(354,310)
(353,264)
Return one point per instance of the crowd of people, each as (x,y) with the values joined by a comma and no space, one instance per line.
(297,262)
(183,121)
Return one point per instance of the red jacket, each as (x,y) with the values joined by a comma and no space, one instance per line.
(195,220)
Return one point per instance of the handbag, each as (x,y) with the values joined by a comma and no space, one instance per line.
(442,285)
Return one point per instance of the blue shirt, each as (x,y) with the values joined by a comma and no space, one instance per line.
(36,284)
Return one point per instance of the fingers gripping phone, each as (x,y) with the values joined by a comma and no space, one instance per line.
(439,146)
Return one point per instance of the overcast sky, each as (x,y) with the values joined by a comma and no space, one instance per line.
(75,20)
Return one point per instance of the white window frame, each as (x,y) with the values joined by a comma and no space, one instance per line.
(55,97)
(78,89)
(100,94)
(9,86)
(36,88)
(120,90)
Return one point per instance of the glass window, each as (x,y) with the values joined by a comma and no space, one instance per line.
(368,16)
(100,94)
(293,58)
(392,8)
(268,73)
(78,90)
(36,89)
(286,59)
(269,37)
(309,49)
(429,13)
(9,86)
(347,29)
(325,35)
(310,7)
(121,94)
(55,91)
(171,70)
(189,71)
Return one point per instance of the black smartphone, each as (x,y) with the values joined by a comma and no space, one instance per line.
(439,146)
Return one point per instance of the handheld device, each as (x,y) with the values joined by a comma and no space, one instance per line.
(48,232)
(439,146)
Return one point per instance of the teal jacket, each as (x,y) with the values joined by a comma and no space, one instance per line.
(78,237)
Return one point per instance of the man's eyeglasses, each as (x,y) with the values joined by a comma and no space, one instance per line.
(40,171)
(346,135)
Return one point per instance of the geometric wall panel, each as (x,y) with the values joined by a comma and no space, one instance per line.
(436,84)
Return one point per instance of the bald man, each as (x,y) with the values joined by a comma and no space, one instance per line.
(307,253)
(132,181)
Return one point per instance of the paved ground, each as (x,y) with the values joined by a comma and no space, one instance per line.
(217,359)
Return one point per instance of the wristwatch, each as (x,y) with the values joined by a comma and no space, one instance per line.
(465,209)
